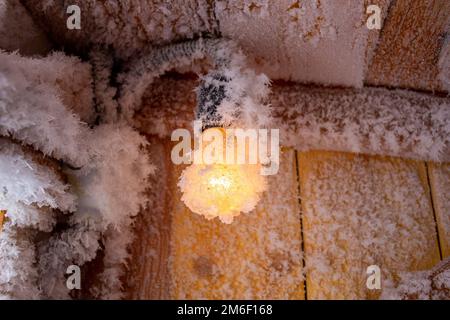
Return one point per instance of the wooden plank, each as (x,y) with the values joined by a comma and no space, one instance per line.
(374,35)
(148,277)
(440,188)
(258,256)
(408,51)
(359,211)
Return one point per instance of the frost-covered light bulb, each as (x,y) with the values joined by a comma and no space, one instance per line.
(222,190)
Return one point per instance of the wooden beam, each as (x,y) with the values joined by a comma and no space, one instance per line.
(408,50)
(148,277)
(360,211)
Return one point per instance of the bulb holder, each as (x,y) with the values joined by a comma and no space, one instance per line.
(210,94)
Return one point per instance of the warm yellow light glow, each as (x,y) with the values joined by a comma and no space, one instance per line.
(222,190)
(217,182)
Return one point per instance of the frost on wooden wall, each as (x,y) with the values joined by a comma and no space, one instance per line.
(307,41)
(409,46)
(357,213)
(53,89)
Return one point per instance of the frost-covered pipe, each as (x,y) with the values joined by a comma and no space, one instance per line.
(141,72)
(379,121)
(399,123)
(229,92)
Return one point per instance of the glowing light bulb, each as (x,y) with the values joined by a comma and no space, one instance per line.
(222,190)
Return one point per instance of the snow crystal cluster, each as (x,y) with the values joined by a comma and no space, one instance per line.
(30,190)
(63,178)
(42,88)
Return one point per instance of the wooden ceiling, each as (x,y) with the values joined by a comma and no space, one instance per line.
(318,41)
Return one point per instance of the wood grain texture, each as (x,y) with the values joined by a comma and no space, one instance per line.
(374,34)
(148,277)
(408,50)
(258,256)
(440,187)
(359,211)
